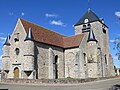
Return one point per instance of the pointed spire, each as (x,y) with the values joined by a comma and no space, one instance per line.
(90,15)
(29,35)
(7,42)
(89,10)
(91,36)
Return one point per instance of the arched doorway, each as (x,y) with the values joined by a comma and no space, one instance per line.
(55,67)
(16,73)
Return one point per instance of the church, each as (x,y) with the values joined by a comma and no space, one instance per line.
(34,52)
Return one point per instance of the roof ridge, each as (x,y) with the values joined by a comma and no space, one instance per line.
(22,20)
(74,35)
(73,41)
(94,14)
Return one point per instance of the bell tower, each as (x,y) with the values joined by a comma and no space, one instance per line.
(97,43)
(84,24)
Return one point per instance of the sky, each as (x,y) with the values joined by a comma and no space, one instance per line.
(59,16)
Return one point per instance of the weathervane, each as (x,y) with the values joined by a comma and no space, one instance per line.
(88,5)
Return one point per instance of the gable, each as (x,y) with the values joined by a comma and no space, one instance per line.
(18,33)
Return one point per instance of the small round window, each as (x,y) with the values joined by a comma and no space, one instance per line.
(17,50)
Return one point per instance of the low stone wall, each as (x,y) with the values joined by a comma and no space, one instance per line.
(52,81)
(47,81)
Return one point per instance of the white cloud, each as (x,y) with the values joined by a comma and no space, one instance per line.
(112,41)
(51,15)
(58,23)
(0,61)
(118,34)
(117,14)
(0,57)
(16,14)
(115,57)
(73,26)
(54,22)
(1,33)
(22,14)
(2,39)
(11,13)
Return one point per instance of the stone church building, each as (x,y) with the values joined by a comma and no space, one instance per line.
(34,52)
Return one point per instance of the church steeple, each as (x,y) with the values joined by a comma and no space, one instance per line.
(91,36)
(29,35)
(7,42)
(90,15)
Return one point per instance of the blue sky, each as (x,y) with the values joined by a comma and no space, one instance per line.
(58,15)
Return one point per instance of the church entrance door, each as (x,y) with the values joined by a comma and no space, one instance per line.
(16,73)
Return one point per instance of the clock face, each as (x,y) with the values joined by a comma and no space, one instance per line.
(86,21)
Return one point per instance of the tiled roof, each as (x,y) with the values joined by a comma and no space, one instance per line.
(72,41)
(44,35)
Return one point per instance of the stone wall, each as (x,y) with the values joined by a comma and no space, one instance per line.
(47,81)
(16,60)
(51,81)
(101,34)
(45,55)
(72,68)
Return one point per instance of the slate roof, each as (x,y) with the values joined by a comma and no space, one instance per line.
(91,16)
(46,36)
(7,42)
(91,36)
(29,35)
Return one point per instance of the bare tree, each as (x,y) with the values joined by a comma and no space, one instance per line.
(117,47)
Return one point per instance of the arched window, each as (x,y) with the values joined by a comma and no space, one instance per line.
(84,56)
(77,58)
(89,26)
(16,40)
(104,30)
(84,26)
(106,59)
(55,67)
(16,37)
(56,59)
(17,50)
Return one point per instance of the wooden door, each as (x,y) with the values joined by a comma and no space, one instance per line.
(16,73)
